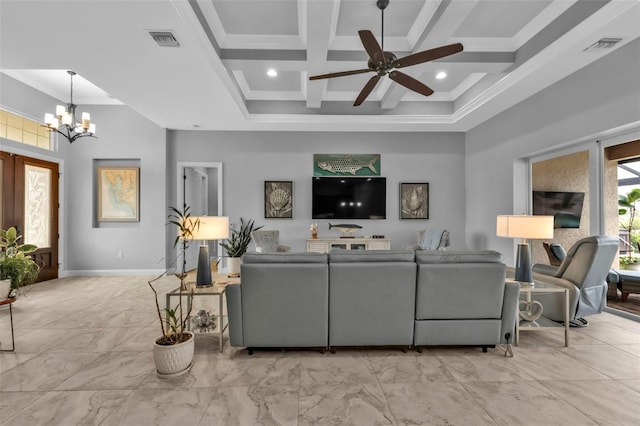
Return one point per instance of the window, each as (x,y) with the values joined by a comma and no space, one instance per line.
(24,130)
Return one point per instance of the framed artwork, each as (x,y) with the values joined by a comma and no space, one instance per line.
(278,199)
(118,194)
(346,164)
(414,201)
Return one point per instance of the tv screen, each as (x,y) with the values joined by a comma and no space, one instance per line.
(565,207)
(349,198)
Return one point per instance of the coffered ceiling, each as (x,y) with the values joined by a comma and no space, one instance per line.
(216,78)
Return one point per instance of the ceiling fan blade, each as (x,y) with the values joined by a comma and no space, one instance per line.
(371,45)
(428,55)
(338,74)
(410,83)
(366,90)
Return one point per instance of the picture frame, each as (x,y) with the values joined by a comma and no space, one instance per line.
(118,194)
(278,199)
(414,200)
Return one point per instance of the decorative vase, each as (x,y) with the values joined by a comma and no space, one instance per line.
(5,289)
(174,360)
(314,235)
(234,266)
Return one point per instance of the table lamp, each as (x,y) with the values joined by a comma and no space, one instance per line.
(211,228)
(525,227)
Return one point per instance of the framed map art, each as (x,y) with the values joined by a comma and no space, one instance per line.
(118,194)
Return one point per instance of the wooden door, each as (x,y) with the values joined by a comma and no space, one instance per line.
(30,203)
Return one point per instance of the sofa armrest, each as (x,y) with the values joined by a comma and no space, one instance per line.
(234,312)
(509,311)
(541,268)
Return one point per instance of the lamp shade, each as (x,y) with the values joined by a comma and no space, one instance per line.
(527,227)
(211,228)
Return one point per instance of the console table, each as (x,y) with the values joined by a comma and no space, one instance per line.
(324,245)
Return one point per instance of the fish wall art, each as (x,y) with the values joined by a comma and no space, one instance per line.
(346,164)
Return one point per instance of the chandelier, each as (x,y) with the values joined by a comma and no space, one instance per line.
(64,120)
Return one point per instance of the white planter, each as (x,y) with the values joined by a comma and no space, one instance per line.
(5,288)
(234,265)
(174,360)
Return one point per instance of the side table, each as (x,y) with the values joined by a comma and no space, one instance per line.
(216,290)
(543,323)
(9,302)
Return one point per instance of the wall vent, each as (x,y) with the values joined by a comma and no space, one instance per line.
(604,43)
(164,38)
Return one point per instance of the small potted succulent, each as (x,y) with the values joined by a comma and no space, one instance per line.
(17,268)
(238,244)
(173,350)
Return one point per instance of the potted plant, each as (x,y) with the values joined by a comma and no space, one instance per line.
(173,350)
(237,245)
(17,269)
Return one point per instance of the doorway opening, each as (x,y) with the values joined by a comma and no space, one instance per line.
(199,186)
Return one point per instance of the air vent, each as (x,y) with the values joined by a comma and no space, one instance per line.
(164,38)
(604,43)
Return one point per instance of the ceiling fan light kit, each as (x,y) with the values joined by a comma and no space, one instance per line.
(386,63)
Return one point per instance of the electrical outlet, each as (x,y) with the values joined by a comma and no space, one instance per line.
(120,254)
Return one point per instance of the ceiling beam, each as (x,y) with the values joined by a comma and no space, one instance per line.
(319,36)
(438,32)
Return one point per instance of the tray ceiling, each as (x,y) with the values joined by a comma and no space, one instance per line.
(217,77)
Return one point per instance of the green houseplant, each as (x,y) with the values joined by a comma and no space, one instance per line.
(238,243)
(15,263)
(173,350)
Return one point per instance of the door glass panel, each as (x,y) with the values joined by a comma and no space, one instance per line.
(1,194)
(37,205)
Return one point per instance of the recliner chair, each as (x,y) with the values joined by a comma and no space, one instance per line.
(584,272)
(431,239)
(268,241)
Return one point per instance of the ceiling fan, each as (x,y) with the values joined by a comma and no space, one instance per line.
(386,63)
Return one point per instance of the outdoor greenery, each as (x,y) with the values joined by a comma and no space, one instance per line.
(15,262)
(238,243)
(174,329)
(627,204)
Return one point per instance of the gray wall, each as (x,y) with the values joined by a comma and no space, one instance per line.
(123,135)
(580,108)
(87,248)
(250,158)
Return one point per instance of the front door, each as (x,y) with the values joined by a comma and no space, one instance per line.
(29,201)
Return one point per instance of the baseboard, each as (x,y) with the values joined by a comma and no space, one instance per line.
(621,313)
(110,272)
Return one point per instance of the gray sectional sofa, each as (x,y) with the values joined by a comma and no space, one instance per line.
(372,298)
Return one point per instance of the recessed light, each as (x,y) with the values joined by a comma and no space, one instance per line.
(272,73)
(441,75)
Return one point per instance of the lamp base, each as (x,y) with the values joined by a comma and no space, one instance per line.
(523,264)
(203,276)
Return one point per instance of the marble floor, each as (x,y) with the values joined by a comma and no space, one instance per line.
(83,357)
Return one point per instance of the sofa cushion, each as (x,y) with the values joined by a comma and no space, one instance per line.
(460,291)
(290,257)
(479,256)
(351,256)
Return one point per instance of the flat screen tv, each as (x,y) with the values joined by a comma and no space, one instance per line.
(349,198)
(565,207)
